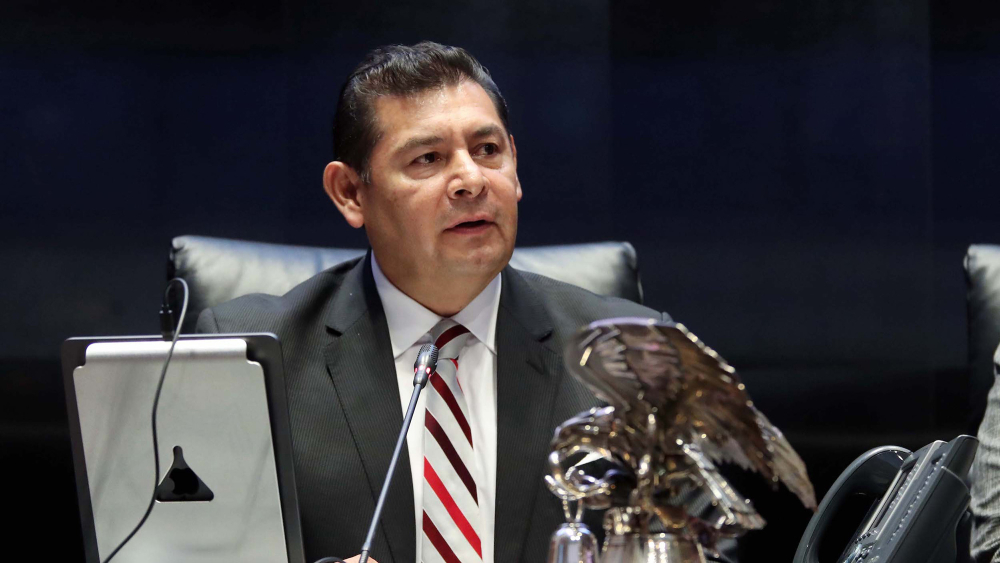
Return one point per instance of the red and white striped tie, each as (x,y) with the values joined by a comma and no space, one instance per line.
(451,503)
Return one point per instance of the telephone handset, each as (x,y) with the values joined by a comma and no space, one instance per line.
(921,499)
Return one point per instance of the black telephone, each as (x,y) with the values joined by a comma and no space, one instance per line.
(921,506)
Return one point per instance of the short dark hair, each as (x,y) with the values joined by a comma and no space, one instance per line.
(399,70)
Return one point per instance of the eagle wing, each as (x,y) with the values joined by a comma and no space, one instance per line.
(643,366)
(596,357)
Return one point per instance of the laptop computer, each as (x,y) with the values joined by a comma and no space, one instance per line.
(227,489)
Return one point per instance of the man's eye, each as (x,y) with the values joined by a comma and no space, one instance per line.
(490,149)
(428,158)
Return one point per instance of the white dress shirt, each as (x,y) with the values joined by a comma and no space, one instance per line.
(410,324)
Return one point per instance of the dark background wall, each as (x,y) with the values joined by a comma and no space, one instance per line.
(801,180)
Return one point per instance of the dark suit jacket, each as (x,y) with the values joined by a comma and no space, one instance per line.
(344,404)
(986,484)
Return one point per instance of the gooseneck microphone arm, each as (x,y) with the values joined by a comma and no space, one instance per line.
(425,365)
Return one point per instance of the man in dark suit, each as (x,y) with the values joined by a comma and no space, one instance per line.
(427,165)
(985,503)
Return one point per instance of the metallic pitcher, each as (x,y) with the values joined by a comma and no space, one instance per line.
(573,543)
(654,548)
(675,409)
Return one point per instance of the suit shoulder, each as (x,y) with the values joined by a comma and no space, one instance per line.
(571,303)
(262,312)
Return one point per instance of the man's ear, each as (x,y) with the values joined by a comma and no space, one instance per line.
(343,184)
(517,182)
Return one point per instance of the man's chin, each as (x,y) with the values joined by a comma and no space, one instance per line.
(486,262)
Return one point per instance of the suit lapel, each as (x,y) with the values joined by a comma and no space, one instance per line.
(528,373)
(360,363)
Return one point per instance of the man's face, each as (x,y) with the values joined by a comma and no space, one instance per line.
(444,190)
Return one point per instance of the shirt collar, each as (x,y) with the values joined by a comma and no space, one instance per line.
(410,321)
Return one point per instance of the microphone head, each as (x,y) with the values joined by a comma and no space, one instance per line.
(427,360)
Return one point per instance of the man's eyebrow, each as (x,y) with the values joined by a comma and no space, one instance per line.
(488,131)
(420,142)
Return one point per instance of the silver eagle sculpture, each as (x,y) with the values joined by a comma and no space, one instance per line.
(674,410)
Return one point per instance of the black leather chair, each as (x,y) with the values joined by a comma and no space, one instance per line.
(218,269)
(982,274)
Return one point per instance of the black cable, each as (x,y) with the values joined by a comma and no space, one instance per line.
(164,310)
(329,560)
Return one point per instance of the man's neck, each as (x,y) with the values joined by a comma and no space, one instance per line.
(442,295)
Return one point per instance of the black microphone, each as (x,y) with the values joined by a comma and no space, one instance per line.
(427,359)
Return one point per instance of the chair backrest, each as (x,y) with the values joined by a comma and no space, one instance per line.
(982,274)
(218,269)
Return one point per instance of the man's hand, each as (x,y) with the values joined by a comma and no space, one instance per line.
(357,558)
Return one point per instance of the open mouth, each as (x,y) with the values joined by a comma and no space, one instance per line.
(471,226)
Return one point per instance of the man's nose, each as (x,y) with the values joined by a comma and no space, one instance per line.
(467,177)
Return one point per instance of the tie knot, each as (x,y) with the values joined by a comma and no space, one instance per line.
(449,337)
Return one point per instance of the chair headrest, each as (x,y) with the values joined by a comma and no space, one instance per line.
(218,269)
